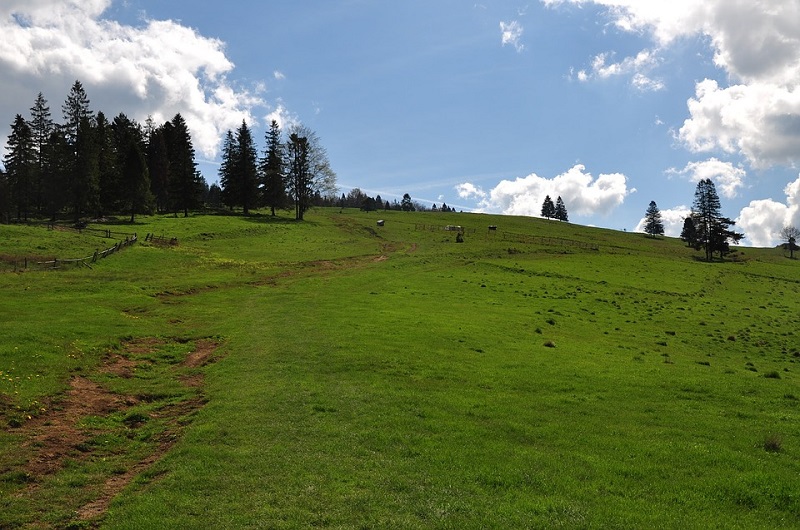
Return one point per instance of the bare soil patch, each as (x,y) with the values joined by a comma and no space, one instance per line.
(57,435)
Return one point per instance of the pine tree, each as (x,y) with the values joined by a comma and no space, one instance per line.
(59,162)
(20,162)
(158,166)
(705,212)
(84,180)
(273,184)
(75,109)
(227,170)
(406,205)
(184,180)
(41,124)
(548,208)
(689,233)
(652,221)
(561,210)
(108,167)
(246,168)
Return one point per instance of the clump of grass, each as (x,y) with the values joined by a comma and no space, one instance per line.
(549,344)
(773,443)
(791,397)
(704,363)
(538,330)
(772,375)
(732,338)
(670,333)
(662,343)
(551,321)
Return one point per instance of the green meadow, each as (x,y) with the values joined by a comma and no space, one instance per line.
(540,375)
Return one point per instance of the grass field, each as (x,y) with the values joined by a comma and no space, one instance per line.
(265,373)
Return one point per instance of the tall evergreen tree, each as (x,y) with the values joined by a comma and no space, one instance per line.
(653,225)
(184,180)
(75,109)
(705,212)
(59,162)
(228,182)
(107,165)
(689,233)
(548,208)
(246,168)
(20,162)
(273,183)
(158,167)
(561,210)
(41,124)
(135,180)
(84,181)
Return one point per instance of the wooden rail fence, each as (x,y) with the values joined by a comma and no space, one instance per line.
(57,263)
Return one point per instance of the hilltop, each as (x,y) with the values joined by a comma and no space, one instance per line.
(334,372)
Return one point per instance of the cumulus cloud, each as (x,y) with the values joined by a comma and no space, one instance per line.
(470,191)
(282,116)
(724,174)
(672,218)
(637,67)
(511,33)
(160,68)
(762,220)
(755,42)
(582,194)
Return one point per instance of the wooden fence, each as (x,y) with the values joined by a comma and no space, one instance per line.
(56,263)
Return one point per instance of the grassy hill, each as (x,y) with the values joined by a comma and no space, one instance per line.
(336,373)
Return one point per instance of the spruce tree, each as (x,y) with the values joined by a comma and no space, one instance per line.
(227,170)
(246,168)
(20,162)
(548,208)
(561,210)
(273,184)
(652,221)
(186,184)
(41,124)
(689,233)
(705,212)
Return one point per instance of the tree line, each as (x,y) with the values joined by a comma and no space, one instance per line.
(705,228)
(89,165)
(293,172)
(356,198)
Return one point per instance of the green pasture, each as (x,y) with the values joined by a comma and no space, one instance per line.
(389,377)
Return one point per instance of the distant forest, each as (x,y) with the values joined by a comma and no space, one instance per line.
(91,167)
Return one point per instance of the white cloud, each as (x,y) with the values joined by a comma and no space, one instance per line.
(282,115)
(159,69)
(672,218)
(762,220)
(724,174)
(637,67)
(470,191)
(511,33)
(755,42)
(582,194)
(278,75)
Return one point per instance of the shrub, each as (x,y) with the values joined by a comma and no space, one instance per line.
(772,375)
(549,344)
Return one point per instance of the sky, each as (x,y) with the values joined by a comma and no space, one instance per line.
(485,106)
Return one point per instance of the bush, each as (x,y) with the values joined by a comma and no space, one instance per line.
(549,344)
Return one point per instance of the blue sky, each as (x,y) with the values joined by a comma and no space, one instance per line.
(485,106)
